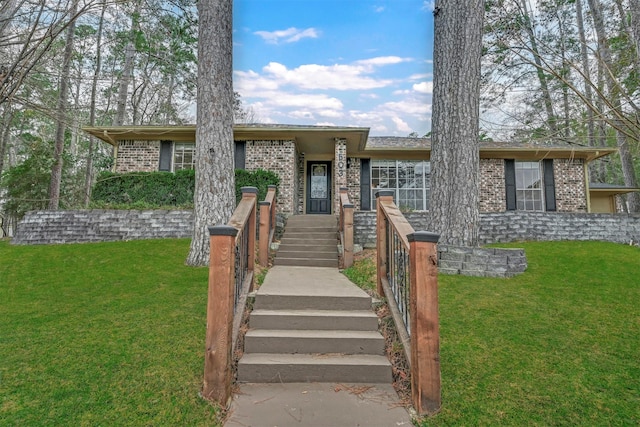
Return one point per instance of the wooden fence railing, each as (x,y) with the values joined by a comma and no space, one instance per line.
(267,225)
(232,257)
(407,275)
(345,223)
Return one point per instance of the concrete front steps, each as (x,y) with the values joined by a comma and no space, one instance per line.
(309,241)
(312,325)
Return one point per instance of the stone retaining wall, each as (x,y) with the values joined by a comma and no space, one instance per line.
(46,227)
(514,226)
(481,262)
(511,226)
(81,226)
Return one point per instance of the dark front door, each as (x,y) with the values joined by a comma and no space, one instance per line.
(318,187)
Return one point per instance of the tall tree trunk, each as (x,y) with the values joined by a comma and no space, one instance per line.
(127,69)
(88,176)
(627,20)
(7,117)
(455,123)
(635,24)
(61,113)
(628,171)
(75,120)
(542,78)
(594,171)
(214,197)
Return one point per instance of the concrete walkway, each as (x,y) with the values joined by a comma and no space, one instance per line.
(325,404)
(317,405)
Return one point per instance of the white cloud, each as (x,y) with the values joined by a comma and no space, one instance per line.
(303,100)
(359,75)
(382,60)
(420,76)
(325,124)
(407,107)
(423,87)
(379,129)
(290,35)
(363,116)
(330,113)
(356,93)
(378,9)
(429,5)
(300,114)
(401,125)
(314,76)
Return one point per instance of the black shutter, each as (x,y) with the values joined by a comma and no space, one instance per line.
(239,155)
(365,184)
(549,185)
(510,183)
(166,152)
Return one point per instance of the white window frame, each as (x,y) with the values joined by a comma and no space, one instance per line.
(527,187)
(395,178)
(174,161)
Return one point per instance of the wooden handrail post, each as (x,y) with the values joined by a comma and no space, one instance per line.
(343,190)
(217,359)
(425,330)
(265,217)
(272,189)
(381,237)
(251,193)
(347,229)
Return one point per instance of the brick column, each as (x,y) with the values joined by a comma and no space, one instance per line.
(339,171)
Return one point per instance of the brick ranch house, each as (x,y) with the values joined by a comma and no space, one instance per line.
(313,162)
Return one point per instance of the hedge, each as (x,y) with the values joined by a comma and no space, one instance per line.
(149,190)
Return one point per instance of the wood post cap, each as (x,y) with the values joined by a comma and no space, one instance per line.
(223,230)
(383,193)
(249,190)
(423,236)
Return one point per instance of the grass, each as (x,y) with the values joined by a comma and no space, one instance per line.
(102,334)
(557,345)
(113,334)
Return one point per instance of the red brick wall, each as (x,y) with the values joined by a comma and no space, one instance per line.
(138,156)
(279,157)
(492,186)
(571,195)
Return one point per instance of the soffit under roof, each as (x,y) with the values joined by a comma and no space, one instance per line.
(321,139)
(610,189)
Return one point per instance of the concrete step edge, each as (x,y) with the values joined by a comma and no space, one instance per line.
(313,334)
(319,313)
(316,359)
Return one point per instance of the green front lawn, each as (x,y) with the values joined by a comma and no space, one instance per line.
(557,345)
(102,334)
(113,334)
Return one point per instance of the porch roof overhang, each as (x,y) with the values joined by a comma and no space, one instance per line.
(309,139)
(607,190)
(321,140)
(540,153)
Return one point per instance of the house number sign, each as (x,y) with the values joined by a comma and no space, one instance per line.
(341,165)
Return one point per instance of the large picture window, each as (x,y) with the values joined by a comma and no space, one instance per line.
(184,156)
(408,179)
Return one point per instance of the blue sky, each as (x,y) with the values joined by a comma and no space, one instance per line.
(336,62)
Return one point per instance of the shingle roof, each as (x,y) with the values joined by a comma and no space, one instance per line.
(399,142)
